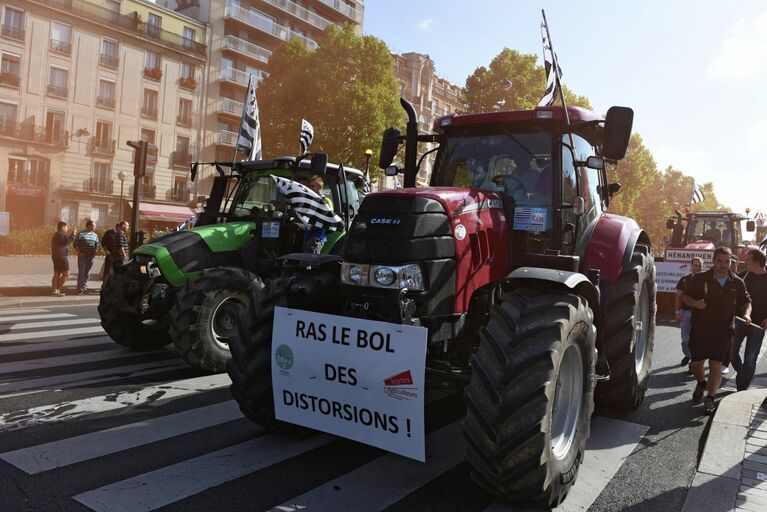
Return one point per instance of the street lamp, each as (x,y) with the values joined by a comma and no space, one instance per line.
(121,176)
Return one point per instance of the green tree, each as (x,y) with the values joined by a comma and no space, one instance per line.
(512,81)
(346,88)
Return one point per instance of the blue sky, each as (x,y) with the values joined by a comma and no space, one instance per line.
(695,73)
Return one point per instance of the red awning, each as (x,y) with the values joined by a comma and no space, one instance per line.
(164,212)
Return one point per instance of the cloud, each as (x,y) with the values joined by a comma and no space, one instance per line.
(743,53)
(425,25)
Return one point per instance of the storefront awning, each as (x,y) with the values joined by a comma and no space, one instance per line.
(164,212)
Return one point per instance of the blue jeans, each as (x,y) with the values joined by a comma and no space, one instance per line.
(686,326)
(84,264)
(747,367)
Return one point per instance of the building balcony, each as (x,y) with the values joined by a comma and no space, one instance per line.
(31,133)
(109,61)
(180,194)
(241,77)
(346,10)
(105,101)
(226,138)
(98,186)
(181,159)
(187,82)
(11,32)
(228,106)
(302,13)
(245,48)
(61,47)
(184,120)
(104,147)
(264,24)
(153,74)
(149,112)
(58,91)
(145,190)
(10,79)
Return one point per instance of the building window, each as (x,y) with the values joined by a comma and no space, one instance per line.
(99,214)
(106,97)
(187,79)
(149,107)
(101,180)
(54,128)
(184,112)
(180,189)
(28,172)
(69,212)
(58,80)
(109,53)
(152,66)
(8,116)
(181,157)
(153,25)
(13,24)
(61,38)
(102,141)
(189,36)
(10,70)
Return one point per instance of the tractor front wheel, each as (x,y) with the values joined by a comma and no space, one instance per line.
(205,312)
(531,396)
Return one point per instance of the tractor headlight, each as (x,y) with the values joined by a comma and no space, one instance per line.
(385,276)
(394,277)
(353,274)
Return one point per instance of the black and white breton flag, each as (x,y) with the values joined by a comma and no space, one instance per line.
(307,134)
(697,195)
(551,63)
(308,205)
(249,139)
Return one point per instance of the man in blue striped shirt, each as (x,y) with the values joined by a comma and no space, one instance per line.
(86,246)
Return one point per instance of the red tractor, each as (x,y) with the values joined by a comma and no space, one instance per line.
(709,230)
(532,293)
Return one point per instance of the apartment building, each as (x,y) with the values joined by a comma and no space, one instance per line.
(78,79)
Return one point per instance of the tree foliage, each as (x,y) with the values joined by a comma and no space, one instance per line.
(512,81)
(346,88)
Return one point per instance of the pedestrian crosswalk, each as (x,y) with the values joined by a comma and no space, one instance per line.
(175,436)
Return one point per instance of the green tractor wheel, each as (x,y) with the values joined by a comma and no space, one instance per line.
(205,312)
(122,322)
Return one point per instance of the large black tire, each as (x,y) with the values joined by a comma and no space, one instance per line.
(629,333)
(250,367)
(515,398)
(122,322)
(205,313)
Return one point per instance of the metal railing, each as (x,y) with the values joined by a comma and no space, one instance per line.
(32,133)
(11,32)
(230,106)
(10,79)
(105,101)
(184,120)
(61,47)
(245,48)
(110,61)
(99,186)
(101,146)
(149,112)
(241,77)
(181,158)
(187,82)
(346,10)
(179,194)
(58,91)
(153,74)
(265,24)
(300,12)
(145,190)
(226,138)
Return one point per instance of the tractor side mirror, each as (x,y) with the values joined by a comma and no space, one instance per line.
(389,145)
(319,164)
(391,170)
(670,224)
(595,162)
(612,189)
(618,122)
(579,206)
(750,226)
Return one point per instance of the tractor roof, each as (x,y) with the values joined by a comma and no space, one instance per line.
(286,163)
(540,114)
(722,215)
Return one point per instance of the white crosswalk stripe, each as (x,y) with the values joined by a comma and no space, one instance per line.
(46,334)
(55,323)
(21,311)
(19,318)
(28,348)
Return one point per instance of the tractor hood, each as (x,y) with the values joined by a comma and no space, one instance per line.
(455,200)
(701,245)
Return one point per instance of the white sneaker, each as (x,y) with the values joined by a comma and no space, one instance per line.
(725,370)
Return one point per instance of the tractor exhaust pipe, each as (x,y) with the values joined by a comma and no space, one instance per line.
(411,144)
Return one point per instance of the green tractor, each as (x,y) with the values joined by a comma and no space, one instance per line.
(187,287)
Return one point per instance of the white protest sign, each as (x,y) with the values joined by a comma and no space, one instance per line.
(685,255)
(668,274)
(359,379)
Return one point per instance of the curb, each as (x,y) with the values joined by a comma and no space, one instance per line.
(26,302)
(717,482)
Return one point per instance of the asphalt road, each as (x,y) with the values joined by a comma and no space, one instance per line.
(88,425)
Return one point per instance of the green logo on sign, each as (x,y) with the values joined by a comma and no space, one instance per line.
(284,357)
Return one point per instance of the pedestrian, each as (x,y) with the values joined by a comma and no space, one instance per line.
(60,255)
(713,296)
(108,243)
(683,311)
(755,278)
(86,247)
(120,244)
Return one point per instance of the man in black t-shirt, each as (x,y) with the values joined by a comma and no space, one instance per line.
(714,296)
(755,278)
(60,242)
(683,311)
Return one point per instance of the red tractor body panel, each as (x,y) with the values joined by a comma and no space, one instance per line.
(608,244)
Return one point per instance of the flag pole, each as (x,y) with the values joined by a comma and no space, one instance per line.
(242,119)
(555,62)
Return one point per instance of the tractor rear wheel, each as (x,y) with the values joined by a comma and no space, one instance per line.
(250,367)
(122,322)
(629,328)
(205,312)
(530,397)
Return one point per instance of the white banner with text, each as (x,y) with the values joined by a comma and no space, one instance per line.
(359,379)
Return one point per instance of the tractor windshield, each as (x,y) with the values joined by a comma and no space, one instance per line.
(517,164)
(253,191)
(718,231)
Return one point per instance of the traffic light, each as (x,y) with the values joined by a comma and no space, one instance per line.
(145,153)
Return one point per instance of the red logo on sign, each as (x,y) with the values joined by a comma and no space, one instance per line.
(401,379)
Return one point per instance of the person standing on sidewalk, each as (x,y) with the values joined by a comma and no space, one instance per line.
(60,255)
(713,296)
(108,243)
(120,244)
(683,311)
(755,278)
(86,247)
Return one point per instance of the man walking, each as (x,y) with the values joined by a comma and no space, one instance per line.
(60,255)
(755,278)
(713,296)
(108,243)
(86,247)
(120,244)
(683,311)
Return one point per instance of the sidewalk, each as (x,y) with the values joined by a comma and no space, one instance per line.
(26,280)
(732,474)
